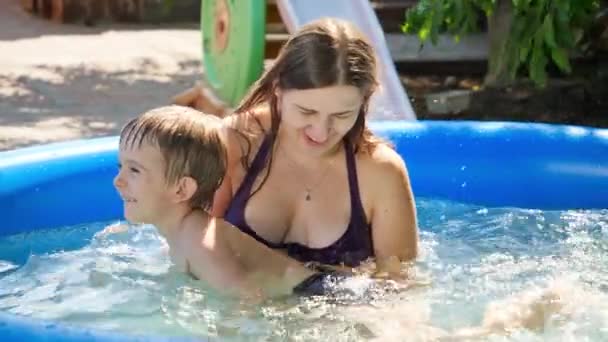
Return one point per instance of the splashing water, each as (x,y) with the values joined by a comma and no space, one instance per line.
(480,264)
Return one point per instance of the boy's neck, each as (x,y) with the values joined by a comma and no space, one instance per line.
(172,220)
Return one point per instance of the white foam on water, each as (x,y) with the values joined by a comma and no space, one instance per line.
(476,264)
(6,266)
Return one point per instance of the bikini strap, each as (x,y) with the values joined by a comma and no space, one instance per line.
(355,197)
(257,165)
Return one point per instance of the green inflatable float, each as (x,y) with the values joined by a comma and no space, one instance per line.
(233,33)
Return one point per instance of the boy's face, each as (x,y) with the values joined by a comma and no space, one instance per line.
(141,183)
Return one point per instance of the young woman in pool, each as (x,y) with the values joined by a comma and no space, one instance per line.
(305,173)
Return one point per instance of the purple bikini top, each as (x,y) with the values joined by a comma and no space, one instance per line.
(353,247)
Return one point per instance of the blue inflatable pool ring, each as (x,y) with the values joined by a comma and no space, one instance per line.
(494,164)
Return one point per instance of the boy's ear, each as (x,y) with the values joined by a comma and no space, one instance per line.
(185,189)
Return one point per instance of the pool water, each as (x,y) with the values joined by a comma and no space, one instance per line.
(473,259)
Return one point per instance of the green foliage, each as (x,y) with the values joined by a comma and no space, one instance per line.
(542,31)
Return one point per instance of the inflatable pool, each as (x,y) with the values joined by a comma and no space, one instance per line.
(494,164)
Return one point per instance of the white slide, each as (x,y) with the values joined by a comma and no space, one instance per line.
(391,101)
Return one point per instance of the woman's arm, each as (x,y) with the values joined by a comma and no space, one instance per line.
(393,216)
(273,272)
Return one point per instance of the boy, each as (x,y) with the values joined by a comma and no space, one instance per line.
(172,160)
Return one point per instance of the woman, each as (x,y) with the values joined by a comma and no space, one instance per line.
(305,173)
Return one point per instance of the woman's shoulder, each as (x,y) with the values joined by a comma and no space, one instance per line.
(382,161)
(380,172)
(244,133)
(256,121)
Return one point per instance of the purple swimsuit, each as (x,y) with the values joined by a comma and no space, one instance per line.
(350,249)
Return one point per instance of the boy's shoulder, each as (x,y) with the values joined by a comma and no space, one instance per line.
(197,240)
(196,224)
(205,232)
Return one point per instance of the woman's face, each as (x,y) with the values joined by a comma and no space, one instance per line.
(318,119)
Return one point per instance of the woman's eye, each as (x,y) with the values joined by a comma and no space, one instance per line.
(344,115)
(134,170)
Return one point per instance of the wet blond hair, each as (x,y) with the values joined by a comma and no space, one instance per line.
(190,143)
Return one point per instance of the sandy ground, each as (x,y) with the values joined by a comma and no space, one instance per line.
(63,82)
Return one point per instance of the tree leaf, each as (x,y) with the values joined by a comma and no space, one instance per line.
(549,32)
(524,51)
(425,30)
(563,32)
(538,62)
(560,57)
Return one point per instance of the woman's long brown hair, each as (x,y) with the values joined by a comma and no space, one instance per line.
(323,53)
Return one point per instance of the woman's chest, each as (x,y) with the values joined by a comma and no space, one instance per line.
(285,208)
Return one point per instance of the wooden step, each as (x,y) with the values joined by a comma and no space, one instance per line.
(274,42)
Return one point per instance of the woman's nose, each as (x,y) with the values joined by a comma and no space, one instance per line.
(320,131)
